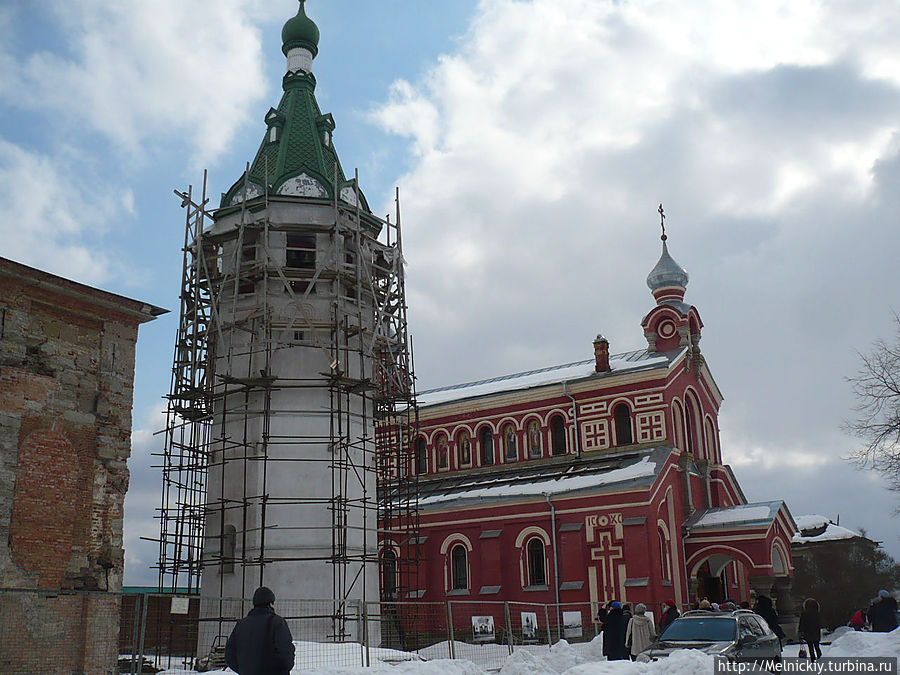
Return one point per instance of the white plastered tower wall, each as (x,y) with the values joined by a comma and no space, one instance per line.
(291,357)
(291,484)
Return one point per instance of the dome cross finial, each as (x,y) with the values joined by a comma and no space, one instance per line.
(662,221)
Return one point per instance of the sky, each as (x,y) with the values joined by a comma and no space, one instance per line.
(532,142)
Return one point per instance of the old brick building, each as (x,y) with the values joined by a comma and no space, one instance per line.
(66,376)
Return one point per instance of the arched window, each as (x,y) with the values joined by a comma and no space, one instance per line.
(533,438)
(691,427)
(709,439)
(421,457)
(459,575)
(443,452)
(487,446)
(510,448)
(678,424)
(463,449)
(537,572)
(665,558)
(389,575)
(622,416)
(558,435)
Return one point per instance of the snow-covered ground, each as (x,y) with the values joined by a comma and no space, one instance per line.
(562,658)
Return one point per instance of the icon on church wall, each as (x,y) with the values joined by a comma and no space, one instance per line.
(572,624)
(443,453)
(465,449)
(509,440)
(529,626)
(483,628)
(534,439)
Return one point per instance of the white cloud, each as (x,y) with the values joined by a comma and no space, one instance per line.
(769,130)
(52,215)
(142,72)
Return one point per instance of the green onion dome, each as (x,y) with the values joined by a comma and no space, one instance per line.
(300,31)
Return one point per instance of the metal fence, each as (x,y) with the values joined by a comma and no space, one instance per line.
(179,634)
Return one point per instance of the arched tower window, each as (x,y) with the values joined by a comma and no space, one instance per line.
(421,457)
(510,447)
(459,575)
(389,575)
(537,571)
(678,425)
(558,435)
(486,439)
(692,421)
(622,417)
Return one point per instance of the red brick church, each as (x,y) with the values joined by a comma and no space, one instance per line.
(601,479)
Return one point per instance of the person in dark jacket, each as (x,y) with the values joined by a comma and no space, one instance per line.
(614,633)
(261,642)
(883,614)
(670,613)
(766,610)
(810,628)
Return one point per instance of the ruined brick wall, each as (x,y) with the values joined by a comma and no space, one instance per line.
(66,377)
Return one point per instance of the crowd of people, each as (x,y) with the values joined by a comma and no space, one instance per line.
(626,634)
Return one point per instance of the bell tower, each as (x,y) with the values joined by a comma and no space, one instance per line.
(673,323)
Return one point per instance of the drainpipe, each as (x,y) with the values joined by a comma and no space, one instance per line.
(574,417)
(555,558)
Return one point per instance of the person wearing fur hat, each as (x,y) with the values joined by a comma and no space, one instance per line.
(261,643)
(640,632)
(614,633)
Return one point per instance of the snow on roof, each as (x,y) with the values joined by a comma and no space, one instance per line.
(819,528)
(503,487)
(639,359)
(743,514)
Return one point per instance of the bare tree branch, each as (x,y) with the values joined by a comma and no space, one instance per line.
(877,389)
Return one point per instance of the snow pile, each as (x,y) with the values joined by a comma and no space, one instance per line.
(861,643)
(558,659)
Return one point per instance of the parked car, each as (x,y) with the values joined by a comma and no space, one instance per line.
(740,634)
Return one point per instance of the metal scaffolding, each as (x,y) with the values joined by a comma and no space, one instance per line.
(292,357)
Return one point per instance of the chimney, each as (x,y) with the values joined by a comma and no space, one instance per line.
(601,354)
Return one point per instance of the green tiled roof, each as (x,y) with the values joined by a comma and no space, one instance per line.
(297,158)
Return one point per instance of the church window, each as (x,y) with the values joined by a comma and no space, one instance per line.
(301,251)
(389,575)
(443,453)
(459,575)
(487,446)
(248,247)
(463,449)
(558,435)
(665,558)
(533,439)
(678,420)
(691,428)
(510,449)
(273,134)
(622,416)
(421,457)
(537,569)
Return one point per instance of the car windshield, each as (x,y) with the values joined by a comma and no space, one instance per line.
(713,629)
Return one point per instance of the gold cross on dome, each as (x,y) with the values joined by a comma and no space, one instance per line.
(662,221)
